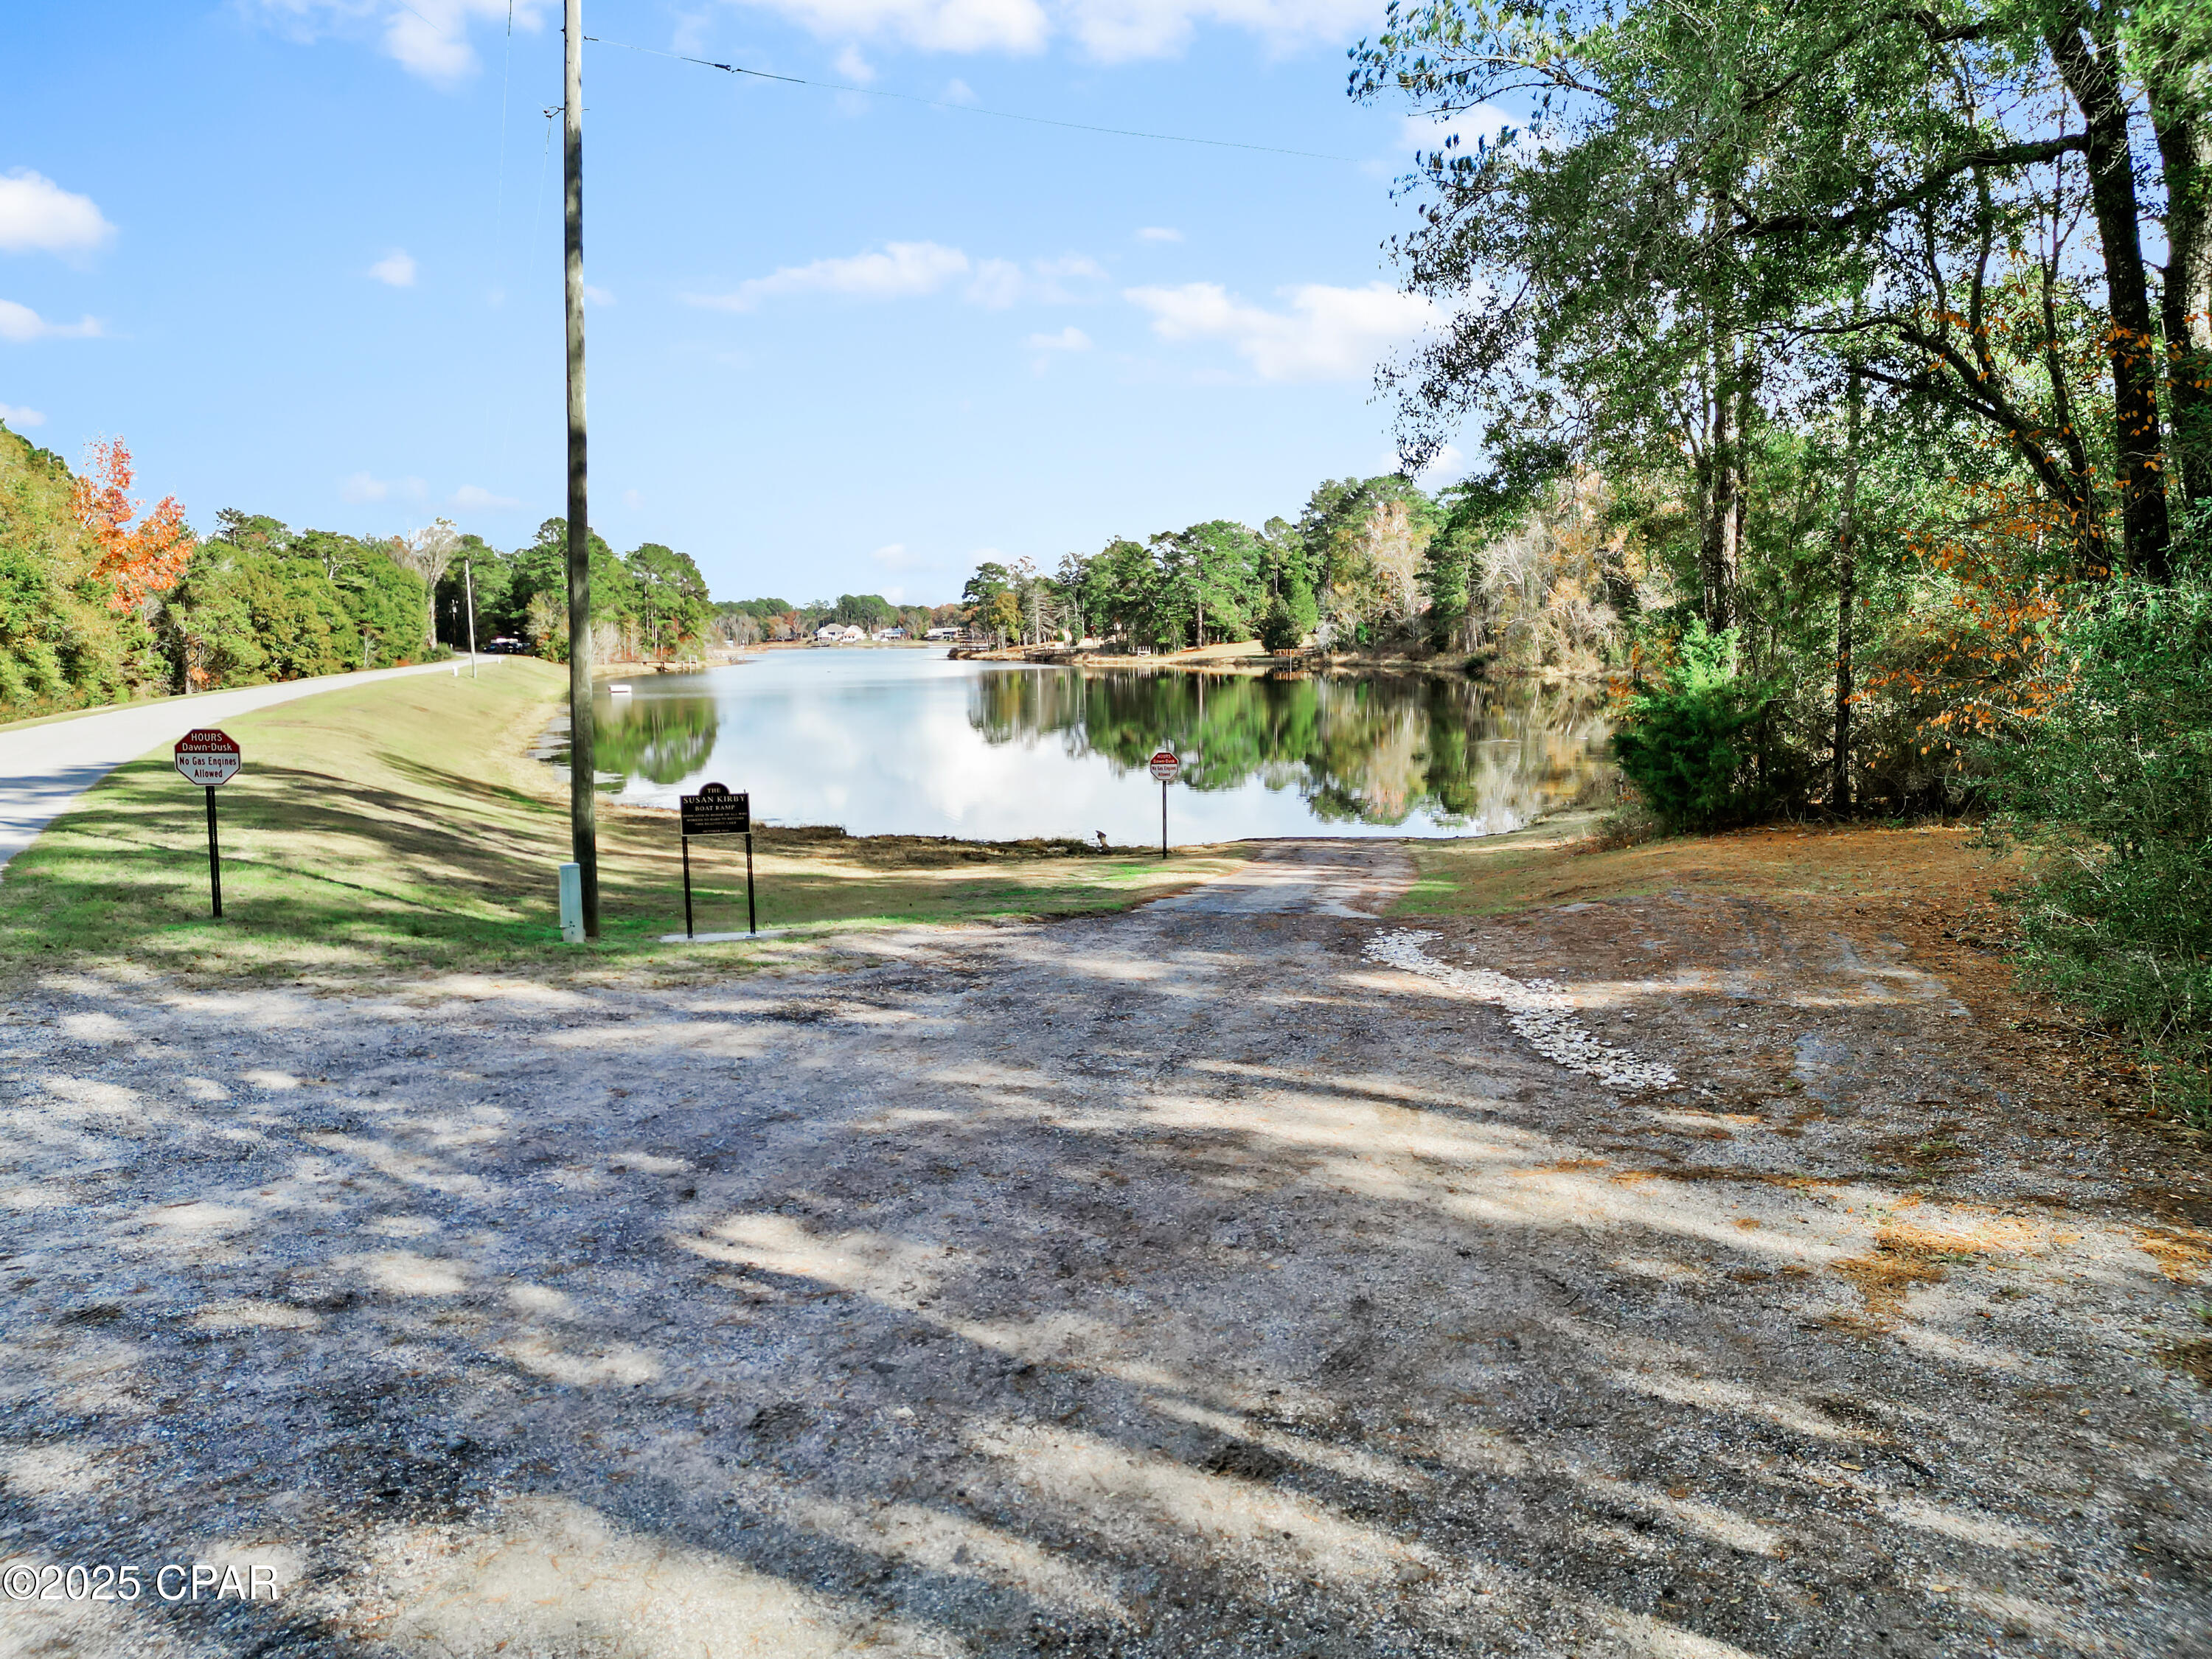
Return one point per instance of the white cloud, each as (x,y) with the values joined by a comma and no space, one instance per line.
(958,91)
(1326,334)
(17,415)
(1068,264)
(21,325)
(395,270)
(37,215)
(1484,121)
(427,37)
(1158,234)
(1114,30)
(896,556)
(854,67)
(997,283)
(909,270)
(360,487)
(633,500)
(1043,346)
(1107,29)
(933,25)
(903,269)
(597,296)
(474,498)
(1001,282)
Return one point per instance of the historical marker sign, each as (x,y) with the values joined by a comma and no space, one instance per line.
(1165,767)
(715,811)
(208,757)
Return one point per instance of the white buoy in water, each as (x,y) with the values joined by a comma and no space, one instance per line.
(619,691)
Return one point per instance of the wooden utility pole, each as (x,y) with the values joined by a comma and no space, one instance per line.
(583,804)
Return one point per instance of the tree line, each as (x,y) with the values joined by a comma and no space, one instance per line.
(1535,578)
(103,598)
(752,622)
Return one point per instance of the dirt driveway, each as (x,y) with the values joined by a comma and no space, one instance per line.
(1246,1275)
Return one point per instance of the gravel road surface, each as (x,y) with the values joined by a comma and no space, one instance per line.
(1192,1282)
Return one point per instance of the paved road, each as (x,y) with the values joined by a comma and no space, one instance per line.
(44,769)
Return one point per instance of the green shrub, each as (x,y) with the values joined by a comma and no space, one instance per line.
(1690,746)
(2113,781)
(1279,630)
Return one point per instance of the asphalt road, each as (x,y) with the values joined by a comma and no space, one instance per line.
(44,769)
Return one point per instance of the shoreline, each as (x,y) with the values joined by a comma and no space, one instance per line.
(1248,657)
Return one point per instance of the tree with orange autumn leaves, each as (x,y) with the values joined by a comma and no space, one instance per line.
(135,560)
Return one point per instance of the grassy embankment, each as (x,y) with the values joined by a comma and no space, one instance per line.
(401,826)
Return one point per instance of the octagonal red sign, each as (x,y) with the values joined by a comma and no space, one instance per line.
(207,757)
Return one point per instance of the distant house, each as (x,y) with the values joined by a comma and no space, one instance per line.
(830,634)
(888,634)
(951,633)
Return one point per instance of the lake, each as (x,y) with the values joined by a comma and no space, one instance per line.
(908,741)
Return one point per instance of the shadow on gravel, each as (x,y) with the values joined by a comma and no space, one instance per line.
(1089,1293)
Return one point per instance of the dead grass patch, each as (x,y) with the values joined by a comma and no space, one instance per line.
(2182,1253)
(1904,1256)
(1561,860)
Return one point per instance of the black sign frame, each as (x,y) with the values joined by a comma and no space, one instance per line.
(715,811)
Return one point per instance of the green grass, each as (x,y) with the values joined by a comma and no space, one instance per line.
(399,827)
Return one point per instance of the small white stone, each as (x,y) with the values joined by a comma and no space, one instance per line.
(1538,1010)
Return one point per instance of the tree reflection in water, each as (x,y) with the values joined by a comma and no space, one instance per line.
(1373,749)
(663,738)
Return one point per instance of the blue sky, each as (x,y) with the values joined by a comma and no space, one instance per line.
(838,342)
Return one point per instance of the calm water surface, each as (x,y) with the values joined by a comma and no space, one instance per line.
(909,741)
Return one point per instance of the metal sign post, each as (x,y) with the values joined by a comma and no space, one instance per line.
(210,759)
(1166,768)
(715,811)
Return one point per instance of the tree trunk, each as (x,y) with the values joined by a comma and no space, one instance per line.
(1746,409)
(2089,62)
(2184,147)
(1847,552)
(1717,556)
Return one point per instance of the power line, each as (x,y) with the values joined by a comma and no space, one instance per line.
(970,109)
(499,191)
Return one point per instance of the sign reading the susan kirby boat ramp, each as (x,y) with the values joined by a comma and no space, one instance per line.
(715,811)
(208,757)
